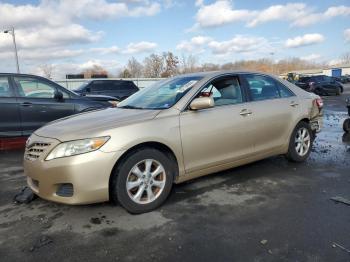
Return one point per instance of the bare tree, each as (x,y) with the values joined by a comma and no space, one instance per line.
(47,70)
(153,65)
(125,73)
(171,65)
(188,64)
(94,70)
(345,58)
(134,67)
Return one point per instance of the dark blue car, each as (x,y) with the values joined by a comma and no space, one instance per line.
(27,102)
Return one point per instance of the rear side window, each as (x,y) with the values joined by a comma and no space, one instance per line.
(262,87)
(98,86)
(4,87)
(284,91)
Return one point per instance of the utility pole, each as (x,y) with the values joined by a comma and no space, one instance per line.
(11,31)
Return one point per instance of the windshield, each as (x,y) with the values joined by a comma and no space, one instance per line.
(161,95)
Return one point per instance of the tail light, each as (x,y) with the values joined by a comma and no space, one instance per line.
(319,103)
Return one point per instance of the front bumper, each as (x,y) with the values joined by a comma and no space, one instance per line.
(88,174)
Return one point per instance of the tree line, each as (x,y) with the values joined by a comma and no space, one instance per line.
(167,64)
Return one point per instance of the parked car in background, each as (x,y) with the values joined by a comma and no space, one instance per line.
(345,79)
(320,85)
(175,130)
(120,89)
(27,102)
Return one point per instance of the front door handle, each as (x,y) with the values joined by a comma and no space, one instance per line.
(245,112)
(293,104)
(26,104)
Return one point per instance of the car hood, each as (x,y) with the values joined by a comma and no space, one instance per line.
(93,123)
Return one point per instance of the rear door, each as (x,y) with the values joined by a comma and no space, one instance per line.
(10,122)
(37,103)
(274,108)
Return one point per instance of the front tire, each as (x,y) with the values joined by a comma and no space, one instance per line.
(143,180)
(300,143)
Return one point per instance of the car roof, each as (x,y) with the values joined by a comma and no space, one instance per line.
(210,74)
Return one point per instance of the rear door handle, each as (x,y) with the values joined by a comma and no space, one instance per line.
(26,104)
(293,104)
(245,112)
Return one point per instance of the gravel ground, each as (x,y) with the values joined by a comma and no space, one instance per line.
(271,210)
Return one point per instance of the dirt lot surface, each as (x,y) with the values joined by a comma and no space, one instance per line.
(271,210)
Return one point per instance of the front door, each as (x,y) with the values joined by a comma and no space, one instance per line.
(217,135)
(37,103)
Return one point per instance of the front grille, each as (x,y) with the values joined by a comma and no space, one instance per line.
(34,150)
(65,190)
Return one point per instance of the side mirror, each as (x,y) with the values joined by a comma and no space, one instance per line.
(202,103)
(58,95)
(88,90)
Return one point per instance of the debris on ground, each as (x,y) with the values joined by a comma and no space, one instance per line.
(25,196)
(95,220)
(341,247)
(339,199)
(42,241)
(263,242)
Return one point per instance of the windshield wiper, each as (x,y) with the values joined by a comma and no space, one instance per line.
(130,107)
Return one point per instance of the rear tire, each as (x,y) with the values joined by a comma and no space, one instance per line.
(300,143)
(346,125)
(143,180)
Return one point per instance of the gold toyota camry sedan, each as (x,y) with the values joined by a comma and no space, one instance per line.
(175,130)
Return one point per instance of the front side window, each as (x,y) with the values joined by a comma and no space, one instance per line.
(161,95)
(262,87)
(34,88)
(4,87)
(225,91)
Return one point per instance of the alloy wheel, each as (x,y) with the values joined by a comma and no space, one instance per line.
(146,181)
(302,141)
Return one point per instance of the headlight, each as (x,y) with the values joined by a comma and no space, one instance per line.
(77,147)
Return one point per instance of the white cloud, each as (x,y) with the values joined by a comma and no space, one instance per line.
(106,50)
(199,2)
(141,47)
(194,45)
(222,12)
(311,57)
(347,35)
(238,44)
(53,29)
(307,39)
(337,11)
(288,12)
(61,69)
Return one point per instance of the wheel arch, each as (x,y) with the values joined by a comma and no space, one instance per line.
(150,144)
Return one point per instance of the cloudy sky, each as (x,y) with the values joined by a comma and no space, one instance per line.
(75,34)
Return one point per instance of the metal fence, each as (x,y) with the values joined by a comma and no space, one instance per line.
(75,83)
